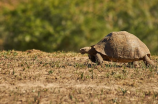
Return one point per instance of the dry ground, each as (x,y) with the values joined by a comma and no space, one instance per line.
(35,77)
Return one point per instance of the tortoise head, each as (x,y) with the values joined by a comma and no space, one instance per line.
(85,50)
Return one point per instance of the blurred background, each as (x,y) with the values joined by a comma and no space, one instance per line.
(68,25)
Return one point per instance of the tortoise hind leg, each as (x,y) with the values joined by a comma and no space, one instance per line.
(99,59)
(134,64)
(147,61)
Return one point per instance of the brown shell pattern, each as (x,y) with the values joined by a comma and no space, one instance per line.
(122,45)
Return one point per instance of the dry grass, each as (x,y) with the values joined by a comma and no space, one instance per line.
(35,77)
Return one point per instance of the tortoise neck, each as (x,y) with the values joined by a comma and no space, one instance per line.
(92,51)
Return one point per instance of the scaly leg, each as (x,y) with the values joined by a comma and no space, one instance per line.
(99,59)
(134,63)
(147,61)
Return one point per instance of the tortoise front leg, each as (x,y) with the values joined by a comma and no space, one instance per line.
(147,61)
(99,59)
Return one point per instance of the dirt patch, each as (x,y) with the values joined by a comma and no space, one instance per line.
(39,77)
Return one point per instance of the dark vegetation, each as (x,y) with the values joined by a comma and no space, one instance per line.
(67,25)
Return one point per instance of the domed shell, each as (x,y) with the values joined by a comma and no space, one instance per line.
(122,45)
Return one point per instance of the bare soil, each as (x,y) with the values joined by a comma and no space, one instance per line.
(35,77)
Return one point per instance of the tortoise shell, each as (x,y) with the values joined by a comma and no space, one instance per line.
(122,45)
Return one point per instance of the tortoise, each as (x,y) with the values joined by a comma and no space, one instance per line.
(119,46)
